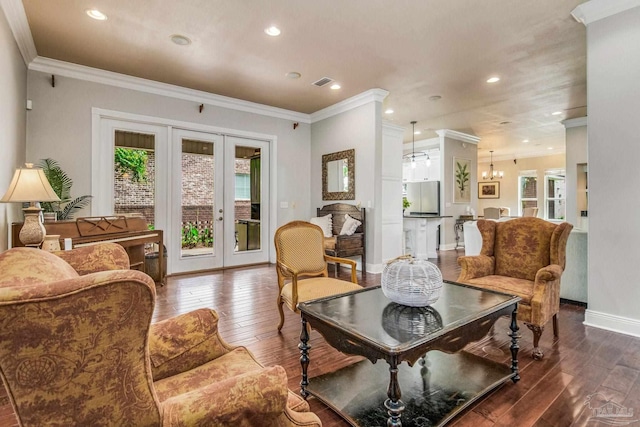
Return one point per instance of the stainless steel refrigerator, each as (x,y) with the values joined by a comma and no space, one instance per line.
(424,197)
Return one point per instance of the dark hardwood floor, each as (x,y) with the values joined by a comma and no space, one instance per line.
(551,392)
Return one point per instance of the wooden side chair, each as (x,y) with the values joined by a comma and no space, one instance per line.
(301,264)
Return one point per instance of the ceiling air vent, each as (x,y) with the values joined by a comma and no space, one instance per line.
(323,81)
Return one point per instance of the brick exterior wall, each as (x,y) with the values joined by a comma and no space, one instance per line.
(197,200)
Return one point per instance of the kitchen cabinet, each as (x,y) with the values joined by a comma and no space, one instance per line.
(422,172)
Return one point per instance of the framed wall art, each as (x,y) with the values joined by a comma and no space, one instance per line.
(489,190)
(461,180)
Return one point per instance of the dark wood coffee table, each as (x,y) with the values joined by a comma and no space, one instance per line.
(445,381)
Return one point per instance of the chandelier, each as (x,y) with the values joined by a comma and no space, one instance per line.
(492,173)
(413,155)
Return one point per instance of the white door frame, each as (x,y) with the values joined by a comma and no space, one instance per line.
(102,180)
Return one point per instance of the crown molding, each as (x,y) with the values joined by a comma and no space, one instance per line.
(594,10)
(372,95)
(574,123)
(95,75)
(17,20)
(459,136)
(392,127)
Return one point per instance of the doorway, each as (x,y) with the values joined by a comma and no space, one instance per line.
(209,191)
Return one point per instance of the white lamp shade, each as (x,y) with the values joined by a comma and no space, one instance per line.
(30,185)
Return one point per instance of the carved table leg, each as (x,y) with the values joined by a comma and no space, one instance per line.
(304,358)
(514,345)
(394,405)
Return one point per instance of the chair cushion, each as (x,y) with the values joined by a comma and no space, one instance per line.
(509,285)
(236,362)
(317,287)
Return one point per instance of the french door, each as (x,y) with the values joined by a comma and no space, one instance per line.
(209,192)
(218,184)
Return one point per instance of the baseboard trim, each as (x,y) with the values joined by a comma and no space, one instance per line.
(573,302)
(613,323)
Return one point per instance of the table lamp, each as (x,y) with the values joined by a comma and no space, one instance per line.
(31,185)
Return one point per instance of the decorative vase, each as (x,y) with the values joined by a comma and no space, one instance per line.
(51,243)
(412,282)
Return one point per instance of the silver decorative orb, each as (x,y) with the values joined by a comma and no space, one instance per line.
(412,282)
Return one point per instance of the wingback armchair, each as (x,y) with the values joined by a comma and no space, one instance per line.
(523,257)
(80,350)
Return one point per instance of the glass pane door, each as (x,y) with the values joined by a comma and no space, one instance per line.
(246,228)
(197,203)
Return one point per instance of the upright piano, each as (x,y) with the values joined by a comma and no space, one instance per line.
(130,232)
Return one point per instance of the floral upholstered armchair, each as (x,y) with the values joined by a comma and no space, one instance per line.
(523,257)
(80,350)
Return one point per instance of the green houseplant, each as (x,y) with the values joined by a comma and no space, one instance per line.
(405,203)
(61,184)
(462,177)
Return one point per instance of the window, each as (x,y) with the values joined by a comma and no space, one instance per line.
(243,186)
(527,190)
(555,195)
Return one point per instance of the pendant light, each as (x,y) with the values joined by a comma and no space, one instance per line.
(413,144)
(492,173)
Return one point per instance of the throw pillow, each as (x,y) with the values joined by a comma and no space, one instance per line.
(324,222)
(350,225)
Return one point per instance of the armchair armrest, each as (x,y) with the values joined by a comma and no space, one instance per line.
(352,263)
(94,258)
(183,342)
(546,294)
(252,399)
(475,266)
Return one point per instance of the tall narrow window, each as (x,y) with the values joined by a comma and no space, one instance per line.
(555,195)
(528,190)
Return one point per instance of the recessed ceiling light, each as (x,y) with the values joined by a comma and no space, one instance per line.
(556,113)
(525,140)
(493,79)
(417,132)
(549,148)
(293,75)
(435,98)
(96,14)
(389,111)
(335,86)
(180,40)
(272,31)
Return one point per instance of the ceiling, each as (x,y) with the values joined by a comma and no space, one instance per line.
(413,49)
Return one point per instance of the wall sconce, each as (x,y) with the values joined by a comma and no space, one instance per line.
(30,185)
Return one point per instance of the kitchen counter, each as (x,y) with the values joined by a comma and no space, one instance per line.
(421,232)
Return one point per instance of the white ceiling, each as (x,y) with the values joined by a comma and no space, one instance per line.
(414,49)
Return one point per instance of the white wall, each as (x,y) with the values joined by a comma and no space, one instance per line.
(576,154)
(450,148)
(59,127)
(613,91)
(13,87)
(356,128)
(509,184)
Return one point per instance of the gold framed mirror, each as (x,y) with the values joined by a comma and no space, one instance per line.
(339,175)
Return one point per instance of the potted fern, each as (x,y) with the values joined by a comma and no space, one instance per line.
(61,184)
